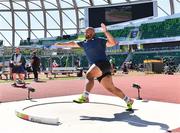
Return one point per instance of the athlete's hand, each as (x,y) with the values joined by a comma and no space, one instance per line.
(18,64)
(103,27)
(56,44)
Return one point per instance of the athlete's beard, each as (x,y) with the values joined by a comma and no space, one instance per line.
(89,37)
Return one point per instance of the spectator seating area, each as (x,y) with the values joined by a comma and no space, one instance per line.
(140,56)
(167,28)
(159,29)
(45,42)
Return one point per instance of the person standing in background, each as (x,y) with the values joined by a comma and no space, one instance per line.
(35,63)
(17,64)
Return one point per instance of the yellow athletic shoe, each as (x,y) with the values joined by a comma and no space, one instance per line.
(129,105)
(82,99)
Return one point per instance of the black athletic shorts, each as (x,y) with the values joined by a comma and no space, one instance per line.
(105,67)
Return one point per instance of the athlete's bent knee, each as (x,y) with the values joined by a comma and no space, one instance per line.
(89,76)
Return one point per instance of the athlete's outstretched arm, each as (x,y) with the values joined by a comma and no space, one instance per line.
(67,44)
(110,39)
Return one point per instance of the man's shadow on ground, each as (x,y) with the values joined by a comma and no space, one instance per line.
(128,117)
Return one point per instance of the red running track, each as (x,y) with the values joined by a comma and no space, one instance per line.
(164,88)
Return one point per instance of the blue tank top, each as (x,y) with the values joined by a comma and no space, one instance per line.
(95,49)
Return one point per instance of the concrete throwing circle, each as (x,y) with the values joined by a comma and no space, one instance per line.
(56,113)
